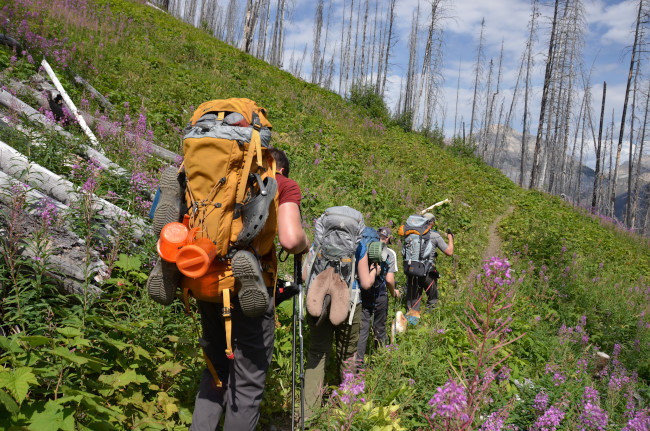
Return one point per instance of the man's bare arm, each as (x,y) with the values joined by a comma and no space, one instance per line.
(290,233)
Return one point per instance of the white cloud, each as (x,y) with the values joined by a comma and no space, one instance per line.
(613,24)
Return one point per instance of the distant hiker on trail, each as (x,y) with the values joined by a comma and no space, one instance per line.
(253,338)
(419,252)
(333,277)
(375,300)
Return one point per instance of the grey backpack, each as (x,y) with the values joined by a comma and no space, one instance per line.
(416,250)
(337,234)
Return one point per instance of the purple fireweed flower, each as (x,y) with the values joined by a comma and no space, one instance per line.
(351,389)
(449,402)
(541,401)
(550,420)
(558,379)
(640,422)
(582,365)
(48,212)
(494,422)
(504,373)
(593,417)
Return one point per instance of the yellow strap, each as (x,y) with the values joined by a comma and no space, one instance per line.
(227,322)
(241,189)
(208,362)
(257,141)
(180,168)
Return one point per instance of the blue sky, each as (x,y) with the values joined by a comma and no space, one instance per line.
(608,40)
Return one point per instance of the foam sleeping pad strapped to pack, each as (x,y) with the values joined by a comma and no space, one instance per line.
(338,232)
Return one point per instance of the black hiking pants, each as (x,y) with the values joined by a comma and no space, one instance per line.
(417,286)
(377,311)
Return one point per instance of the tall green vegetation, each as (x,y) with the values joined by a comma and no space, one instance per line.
(522,333)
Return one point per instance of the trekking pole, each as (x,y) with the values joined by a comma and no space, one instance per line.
(293,359)
(297,276)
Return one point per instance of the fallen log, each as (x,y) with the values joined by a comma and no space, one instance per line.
(11,42)
(13,103)
(103,101)
(16,165)
(71,106)
(67,252)
(92,121)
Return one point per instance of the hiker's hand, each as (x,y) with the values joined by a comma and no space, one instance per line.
(396,293)
(449,232)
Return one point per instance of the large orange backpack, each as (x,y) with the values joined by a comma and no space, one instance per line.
(226,155)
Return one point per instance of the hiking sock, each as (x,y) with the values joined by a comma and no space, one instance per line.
(253,294)
(169,204)
(163,281)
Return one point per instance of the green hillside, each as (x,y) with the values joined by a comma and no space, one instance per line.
(122,361)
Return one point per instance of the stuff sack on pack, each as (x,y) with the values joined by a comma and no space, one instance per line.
(331,263)
(416,250)
(377,254)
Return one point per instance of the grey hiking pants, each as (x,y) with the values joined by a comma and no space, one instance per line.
(346,338)
(378,312)
(243,378)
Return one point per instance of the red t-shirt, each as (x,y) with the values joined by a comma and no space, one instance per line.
(288,189)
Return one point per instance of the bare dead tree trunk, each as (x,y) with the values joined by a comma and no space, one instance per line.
(542,110)
(627,94)
(496,137)
(529,61)
(348,47)
(485,122)
(231,12)
(572,180)
(600,140)
(457,94)
(374,43)
(411,78)
(389,41)
(638,165)
(628,203)
(476,80)
(582,148)
(318,27)
(610,174)
(342,65)
(264,30)
(362,69)
(322,57)
(490,113)
(355,57)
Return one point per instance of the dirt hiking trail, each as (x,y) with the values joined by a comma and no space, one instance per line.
(494,241)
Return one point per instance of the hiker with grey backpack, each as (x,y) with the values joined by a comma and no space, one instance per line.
(419,250)
(374,301)
(334,278)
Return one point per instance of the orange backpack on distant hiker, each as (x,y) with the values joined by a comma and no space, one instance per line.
(230,193)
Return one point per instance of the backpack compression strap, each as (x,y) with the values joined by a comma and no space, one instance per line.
(254,147)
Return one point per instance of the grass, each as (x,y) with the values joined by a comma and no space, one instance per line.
(154,67)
